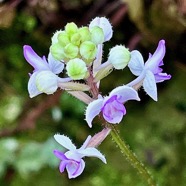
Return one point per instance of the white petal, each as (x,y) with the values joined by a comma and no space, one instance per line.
(125,93)
(93,109)
(136,63)
(32,89)
(47,82)
(103,23)
(149,85)
(64,141)
(86,142)
(55,66)
(92,152)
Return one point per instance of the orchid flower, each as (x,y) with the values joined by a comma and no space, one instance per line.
(72,159)
(44,78)
(111,106)
(151,71)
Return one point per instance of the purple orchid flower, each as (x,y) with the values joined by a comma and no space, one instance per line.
(151,71)
(72,159)
(44,78)
(111,106)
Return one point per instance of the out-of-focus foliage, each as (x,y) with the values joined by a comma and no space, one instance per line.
(154,130)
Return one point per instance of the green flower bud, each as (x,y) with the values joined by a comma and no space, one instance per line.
(71,28)
(97,35)
(84,33)
(71,51)
(63,38)
(119,57)
(46,81)
(57,51)
(75,39)
(88,50)
(76,69)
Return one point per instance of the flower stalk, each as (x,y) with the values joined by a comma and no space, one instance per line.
(131,157)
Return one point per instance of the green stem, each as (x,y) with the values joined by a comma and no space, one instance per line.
(131,157)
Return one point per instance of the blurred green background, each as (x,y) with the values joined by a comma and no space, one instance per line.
(155,131)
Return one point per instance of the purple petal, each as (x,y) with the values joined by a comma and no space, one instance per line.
(92,152)
(160,77)
(60,155)
(156,59)
(62,166)
(149,85)
(32,89)
(136,63)
(125,93)
(33,59)
(74,169)
(93,109)
(65,142)
(55,66)
(113,112)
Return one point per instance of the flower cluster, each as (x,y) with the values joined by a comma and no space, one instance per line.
(78,52)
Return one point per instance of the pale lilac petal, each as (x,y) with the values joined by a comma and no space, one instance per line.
(156,59)
(92,152)
(125,93)
(93,109)
(64,141)
(59,155)
(74,169)
(160,77)
(86,142)
(33,59)
(55,66)
(136,63)
(149,85)
(32,89)
(73,155)
(103,23)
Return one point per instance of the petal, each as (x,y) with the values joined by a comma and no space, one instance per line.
(32,89)
(125,93)
(33,59)
(103,23)
(64,141)
(160,77)
(149,85)
(55,66)
(156,59)
(92,152)
(93,109)
(62,166)
(86,142)
(113,112)
(46,81)
(75,171)
(59,155)
(136,63)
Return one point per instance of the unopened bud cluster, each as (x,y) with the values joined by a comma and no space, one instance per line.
(74,42)
(76,46)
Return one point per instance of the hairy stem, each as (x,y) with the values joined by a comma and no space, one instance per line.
(131,157)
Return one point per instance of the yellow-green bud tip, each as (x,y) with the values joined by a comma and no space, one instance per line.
(76,69)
